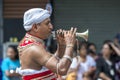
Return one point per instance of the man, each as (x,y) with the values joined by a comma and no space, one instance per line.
(36,62)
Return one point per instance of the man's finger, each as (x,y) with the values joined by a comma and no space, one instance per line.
(71,29)
(65,32)
(75,29)
(74,32)
(57,32)
(60,32)
(68,32)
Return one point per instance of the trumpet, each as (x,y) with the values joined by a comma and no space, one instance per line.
(83,35)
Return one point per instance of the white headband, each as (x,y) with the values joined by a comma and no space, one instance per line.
(34,15)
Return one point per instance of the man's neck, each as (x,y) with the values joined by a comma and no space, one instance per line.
(35,35)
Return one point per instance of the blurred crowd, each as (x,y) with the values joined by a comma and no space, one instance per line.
(87,64)
(90,65)
(10,64)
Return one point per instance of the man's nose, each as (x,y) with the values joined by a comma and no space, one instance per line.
(51,26)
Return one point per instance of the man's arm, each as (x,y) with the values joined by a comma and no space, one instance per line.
(74,65)
(60,49)
(44,58)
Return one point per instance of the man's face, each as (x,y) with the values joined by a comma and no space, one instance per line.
(44,28)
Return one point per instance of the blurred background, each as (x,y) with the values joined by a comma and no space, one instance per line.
(101,17)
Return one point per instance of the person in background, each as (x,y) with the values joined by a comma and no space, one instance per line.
(71,76)
(10,64)
(117,67)
(106,64)
(83,65)
(117,40)
(93,54)
(0,70)
(92,46)
(92,51)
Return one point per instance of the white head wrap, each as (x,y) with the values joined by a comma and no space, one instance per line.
(34,15)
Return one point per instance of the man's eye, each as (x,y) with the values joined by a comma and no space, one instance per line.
(47,23)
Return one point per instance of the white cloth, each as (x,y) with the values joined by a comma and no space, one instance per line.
(30,71)
(84,66)
(34,15)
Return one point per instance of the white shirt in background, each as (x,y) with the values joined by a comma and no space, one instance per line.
(83,66)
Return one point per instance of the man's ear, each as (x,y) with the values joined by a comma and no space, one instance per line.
(34,28)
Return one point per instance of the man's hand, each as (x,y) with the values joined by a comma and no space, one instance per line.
(70,36)
(61,43)
(60,37)
(64,38)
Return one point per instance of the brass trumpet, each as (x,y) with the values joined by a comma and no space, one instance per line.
(83,35)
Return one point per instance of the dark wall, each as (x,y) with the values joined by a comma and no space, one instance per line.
(1,29)
(13,28)
(101,17)
(1,17)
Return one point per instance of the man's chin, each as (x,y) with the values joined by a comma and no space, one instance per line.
(47,36)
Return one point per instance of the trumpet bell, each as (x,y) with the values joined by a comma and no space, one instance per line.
(83,35)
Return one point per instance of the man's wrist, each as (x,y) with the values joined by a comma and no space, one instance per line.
(69,50)
(70,45)
(62,45)
(68,57)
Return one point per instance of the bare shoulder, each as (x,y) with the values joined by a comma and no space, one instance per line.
(39,54)
(36,50)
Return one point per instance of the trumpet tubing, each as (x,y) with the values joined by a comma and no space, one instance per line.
(83,35)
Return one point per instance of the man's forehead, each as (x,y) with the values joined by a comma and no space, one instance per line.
(46,20)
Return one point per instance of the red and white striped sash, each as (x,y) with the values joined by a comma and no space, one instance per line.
(47,75)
